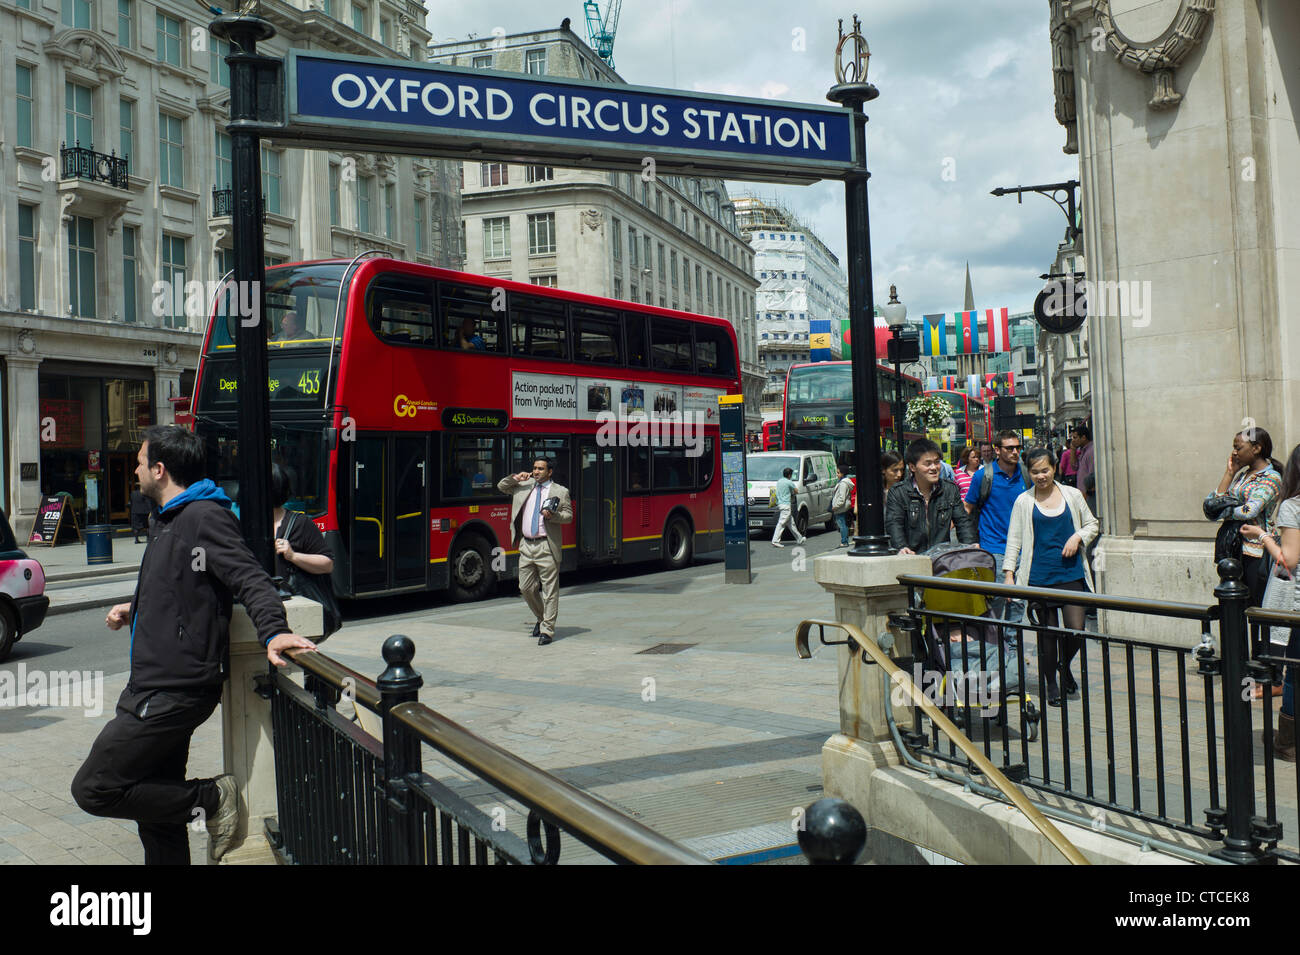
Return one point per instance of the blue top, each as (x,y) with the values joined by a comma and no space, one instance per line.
(783,489)
(995,515)
(1047,566)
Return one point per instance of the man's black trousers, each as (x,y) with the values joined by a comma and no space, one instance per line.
(136,769)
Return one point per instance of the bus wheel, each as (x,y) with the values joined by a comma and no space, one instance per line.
(801,523)
(472,576)
(678,544)
(8,632)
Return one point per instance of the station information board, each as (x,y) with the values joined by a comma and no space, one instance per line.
(735,507)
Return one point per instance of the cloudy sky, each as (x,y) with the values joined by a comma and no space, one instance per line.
(965,86)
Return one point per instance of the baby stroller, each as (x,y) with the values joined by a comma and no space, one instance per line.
(976,683)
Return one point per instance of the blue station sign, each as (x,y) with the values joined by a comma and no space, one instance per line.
(416,108)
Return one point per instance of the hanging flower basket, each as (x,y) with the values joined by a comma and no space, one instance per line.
(928,412)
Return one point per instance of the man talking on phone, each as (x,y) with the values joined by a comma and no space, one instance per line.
(537,509)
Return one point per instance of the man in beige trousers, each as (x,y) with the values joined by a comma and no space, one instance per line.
(538,507)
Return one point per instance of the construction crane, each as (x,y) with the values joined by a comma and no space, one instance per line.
(601,29)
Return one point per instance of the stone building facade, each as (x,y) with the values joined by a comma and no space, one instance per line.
(117,168)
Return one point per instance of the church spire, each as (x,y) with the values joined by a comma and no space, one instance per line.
(970,294)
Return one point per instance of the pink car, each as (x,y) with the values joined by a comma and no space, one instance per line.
(22,591)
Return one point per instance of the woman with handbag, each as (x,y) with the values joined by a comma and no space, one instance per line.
(302,558)
(1253,476)
(1285,555)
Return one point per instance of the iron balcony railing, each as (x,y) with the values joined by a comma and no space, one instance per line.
(223,202)
(82,162)
(345,797)
(1156,732)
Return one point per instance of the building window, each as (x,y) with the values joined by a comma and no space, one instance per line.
(645,193)
(359,12)
(1076,387)
(386,31)
(168,39)
(547,281)
(541,234)
(390,210)
(78,116)
(130,272)
(271,180)
(26,256)
(635,296)
(482,62)
(699,285)
(25,103)
(365,185)
(618,288)
(535,62)
(1077,341)
(539,173)
(645,252)
(496,238)
(686,278)
(659,203)
(663,268)
(632,249)
(76,14)
(616,245)
(494,174)
(709,286)
(81,267)
(218,68)
(126,24)
(126,123)
(672,211)
(173,276)
(419,225)
(171,150)
(224,149)
(334,194)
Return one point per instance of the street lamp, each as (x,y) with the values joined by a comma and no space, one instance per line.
(853,91)
(895,313)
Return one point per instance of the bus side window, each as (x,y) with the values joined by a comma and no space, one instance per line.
(469,322)
(714,354)
(672,469)
(538,327)
(401,310)
(638,470)
(706,465)
(595,335)
(671,345)
(634,326)
(473,466)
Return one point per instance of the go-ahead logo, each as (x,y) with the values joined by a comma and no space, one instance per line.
(405,407)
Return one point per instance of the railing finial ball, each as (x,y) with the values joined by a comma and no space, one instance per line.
(399,650)
(1230,569)
(833,833)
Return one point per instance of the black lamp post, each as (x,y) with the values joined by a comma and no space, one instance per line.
(895,313)
(853,90)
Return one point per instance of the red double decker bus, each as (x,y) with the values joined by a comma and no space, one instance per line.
(972,421)
(401,394)
(819,408)
(772,435)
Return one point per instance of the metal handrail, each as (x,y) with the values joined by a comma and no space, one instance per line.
(589,820)
(1280,618)
(901,678)
(1163,608)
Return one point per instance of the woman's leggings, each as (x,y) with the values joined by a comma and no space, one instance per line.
(1052,647)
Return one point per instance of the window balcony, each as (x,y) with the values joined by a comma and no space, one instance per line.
(223,203)
(82,162)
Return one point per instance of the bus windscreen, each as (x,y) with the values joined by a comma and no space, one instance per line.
(300,305)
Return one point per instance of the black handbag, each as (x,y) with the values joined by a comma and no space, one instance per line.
(317,587)
(1227,542)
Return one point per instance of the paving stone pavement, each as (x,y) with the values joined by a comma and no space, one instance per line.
(721,736)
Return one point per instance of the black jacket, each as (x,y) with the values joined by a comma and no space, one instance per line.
(180,615)
(908,523)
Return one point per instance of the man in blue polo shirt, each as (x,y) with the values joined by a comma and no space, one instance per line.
(1007,483)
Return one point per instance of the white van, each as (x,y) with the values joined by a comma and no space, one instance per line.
(814,477)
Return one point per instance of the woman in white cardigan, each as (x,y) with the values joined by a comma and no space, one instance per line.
(1050,530)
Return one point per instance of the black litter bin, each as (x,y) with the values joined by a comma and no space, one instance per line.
(99,544)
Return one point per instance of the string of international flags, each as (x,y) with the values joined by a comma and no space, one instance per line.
(966,325)
(977,386)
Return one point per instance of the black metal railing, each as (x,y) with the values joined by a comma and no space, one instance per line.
(1275,649)
(82,162)
(345,797)
(222,201)
(1156,732)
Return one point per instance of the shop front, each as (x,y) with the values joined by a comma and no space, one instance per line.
(92,420)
